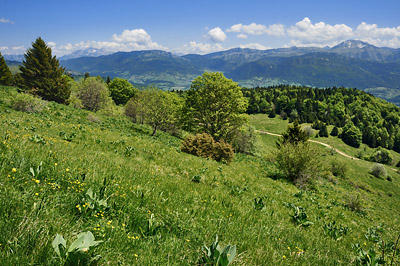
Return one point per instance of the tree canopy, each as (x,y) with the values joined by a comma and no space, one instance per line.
(121,90)
(42,73)
(215,105)
(6,77)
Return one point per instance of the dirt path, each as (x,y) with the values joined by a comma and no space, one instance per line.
(314,141)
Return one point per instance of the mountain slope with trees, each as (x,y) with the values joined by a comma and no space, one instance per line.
(352,64)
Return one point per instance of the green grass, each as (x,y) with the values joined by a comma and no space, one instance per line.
(156,214)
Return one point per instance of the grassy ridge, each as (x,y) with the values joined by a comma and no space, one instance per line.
(156,215)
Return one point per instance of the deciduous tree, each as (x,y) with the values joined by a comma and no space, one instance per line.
(215,105)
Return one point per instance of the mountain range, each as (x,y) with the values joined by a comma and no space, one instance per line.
(351,63)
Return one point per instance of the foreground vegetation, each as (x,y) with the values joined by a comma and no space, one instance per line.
(66,172)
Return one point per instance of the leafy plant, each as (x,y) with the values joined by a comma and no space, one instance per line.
(215,255)
(373,233)
(128,151)
(335,231)
(378,170)
(92,203)
(367,258)
(258,204)
(300,217)
(78,251)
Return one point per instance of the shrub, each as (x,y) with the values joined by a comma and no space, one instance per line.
(301,161)
(355,203)
(27,103)
(338,168)
(245,140)
(381,155)
(204,145)
(309,131)
(93,93)
(378,170)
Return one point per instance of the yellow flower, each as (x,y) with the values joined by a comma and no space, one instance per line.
(37,181)
(67,169)
(136,255)
(55,164)
(284,257)
(14,170)
(37,194)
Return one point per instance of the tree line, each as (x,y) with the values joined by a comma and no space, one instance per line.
(357,116)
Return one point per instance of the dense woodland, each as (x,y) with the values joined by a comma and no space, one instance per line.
(376,119)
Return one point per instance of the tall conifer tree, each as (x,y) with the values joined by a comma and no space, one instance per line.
(43,74)
(6,77)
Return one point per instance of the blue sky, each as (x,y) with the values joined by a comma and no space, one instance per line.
(194,26)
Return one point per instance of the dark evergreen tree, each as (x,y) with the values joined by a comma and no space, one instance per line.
(323,132)
(6,77)
(272,114)
(335,131)
(294,135)
(43,74)
(87,75)
(108,80)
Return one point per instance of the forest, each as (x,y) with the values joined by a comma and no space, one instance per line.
(373,120)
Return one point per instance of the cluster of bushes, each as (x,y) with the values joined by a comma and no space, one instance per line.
(204,145)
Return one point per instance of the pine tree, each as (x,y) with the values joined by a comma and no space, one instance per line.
(43,74)
(6,77)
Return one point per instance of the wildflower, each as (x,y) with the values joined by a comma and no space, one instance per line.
(55,164)
(284,257)
(37,181)
(14,170)
(85,250)
(67,170)
(136,255)
(36,194)
(288,248)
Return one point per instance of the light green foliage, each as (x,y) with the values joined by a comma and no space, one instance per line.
(43,74)
(78,251)
(157,108)
(378,170)
(215,105)
(27,103)
(338,168)
(351,135)
(6,77)
(298,162)
(217,256)
(93,93)
(381,155)
(367,258)
(121,90)
(245,140)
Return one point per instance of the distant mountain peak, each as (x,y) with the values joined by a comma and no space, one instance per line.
(352,44)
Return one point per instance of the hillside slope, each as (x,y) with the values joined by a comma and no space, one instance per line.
(155,214)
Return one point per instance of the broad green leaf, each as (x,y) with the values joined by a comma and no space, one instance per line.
(59,245)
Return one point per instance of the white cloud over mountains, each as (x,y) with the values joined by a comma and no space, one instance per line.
(257,36)
(258,29)
(216,35)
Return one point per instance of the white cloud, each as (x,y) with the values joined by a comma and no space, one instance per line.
(242,36)
(216,35)
(4,20)
(259,29)
(128,40)
(255,46)
(200,48)
(305,32)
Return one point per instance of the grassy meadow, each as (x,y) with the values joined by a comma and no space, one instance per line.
(147,210)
